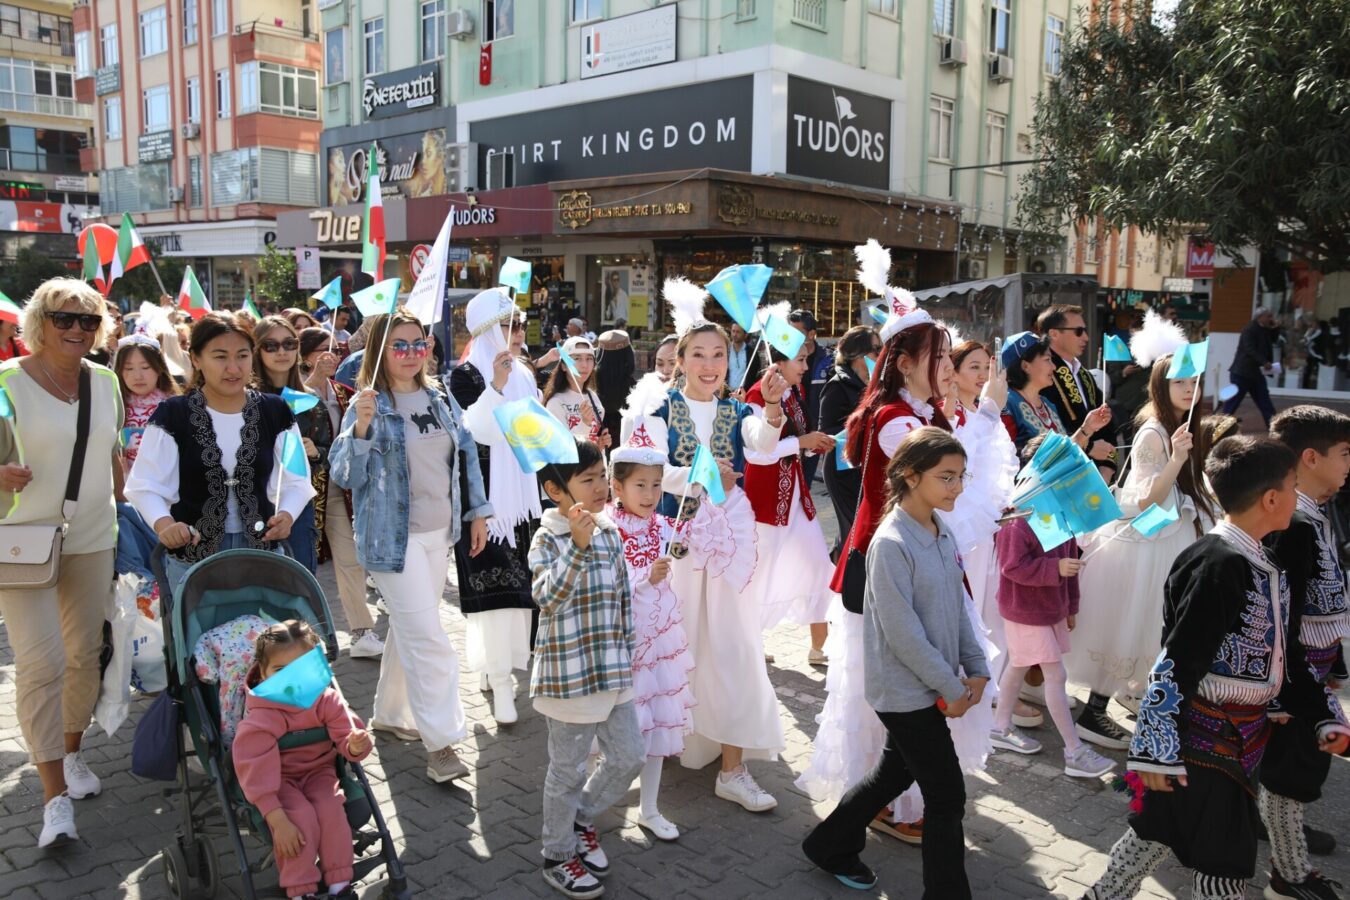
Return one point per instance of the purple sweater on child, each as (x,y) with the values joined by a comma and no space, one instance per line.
(1030,588)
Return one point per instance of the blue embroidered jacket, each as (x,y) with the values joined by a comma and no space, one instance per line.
(1307,550)
(726,443)
(1225,621)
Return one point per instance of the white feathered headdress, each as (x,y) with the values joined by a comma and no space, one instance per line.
(874,269)
(1156,339)
(647,395)
(685,300)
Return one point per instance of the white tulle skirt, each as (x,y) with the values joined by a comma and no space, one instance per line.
(850,738)
(792,579)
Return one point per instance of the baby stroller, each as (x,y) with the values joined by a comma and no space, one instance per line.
(217,590)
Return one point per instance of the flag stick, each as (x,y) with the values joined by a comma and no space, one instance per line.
(154,269)
(679,514)
(1093,552)
(1195,395)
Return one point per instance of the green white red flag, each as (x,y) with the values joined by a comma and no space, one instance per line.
(372,227)
(131,250)
(93,268)
(191,297)
(9,310)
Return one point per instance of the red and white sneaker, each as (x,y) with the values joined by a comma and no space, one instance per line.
(590,852)
(572,879)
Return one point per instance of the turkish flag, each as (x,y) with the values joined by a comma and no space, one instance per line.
(485,65)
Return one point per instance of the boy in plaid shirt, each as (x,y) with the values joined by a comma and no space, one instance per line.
(582,681)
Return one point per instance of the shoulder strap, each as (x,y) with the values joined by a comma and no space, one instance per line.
(81,444)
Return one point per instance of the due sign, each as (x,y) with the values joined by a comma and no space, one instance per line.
(334,229)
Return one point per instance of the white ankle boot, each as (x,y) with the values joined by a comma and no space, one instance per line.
(503,699)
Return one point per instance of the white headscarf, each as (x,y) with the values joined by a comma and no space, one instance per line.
(514,495)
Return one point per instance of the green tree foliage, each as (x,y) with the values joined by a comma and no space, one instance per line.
(29,269)
(1233,119)
(139,286)
(276,279)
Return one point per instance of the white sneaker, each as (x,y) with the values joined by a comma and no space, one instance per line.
(80,782)
(660,826)
(1086,763)
(58,822)
(743,789)
(367,646)
(504,700)
(1014,740)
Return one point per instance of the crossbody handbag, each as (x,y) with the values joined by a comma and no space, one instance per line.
(30,555)
(855,561)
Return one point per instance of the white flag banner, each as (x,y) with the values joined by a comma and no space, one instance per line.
(428,293)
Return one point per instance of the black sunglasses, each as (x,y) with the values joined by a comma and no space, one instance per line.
(1078,332)
(64,321)
(290,345)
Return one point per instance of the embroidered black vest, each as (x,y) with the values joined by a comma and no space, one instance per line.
(203,490)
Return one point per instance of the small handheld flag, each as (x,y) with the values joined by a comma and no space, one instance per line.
(131,436)
(534,436)
(299,401)
(782,336)
(568,361)
(9,310)
(191,297)
(372,225)
(293,456)
(1116,350)
(1190,361)
(300,683)
(1049,529)
(840,461)
(1152,520)
(380,299)
(250,307)
(92,269)
(131,250)
(739,289)
(515,275)
(330,295)
(425,300)
(704,471)
(871,366)
(6,408)
(878,314)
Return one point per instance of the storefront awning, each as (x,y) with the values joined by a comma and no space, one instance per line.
(964,287)
(1030,284)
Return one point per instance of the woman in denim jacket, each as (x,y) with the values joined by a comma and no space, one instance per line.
(400,454)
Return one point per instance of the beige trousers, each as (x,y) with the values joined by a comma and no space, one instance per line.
(56,635)
(351,578)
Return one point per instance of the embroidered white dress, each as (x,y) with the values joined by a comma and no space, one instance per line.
(1120,619)
(661,658)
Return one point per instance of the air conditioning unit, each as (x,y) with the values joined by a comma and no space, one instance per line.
(970,269)
(1040,265)
(953,53)
(458,24)
(501,169)
(1000,68)
(463,167)
(191,131)
(175,194)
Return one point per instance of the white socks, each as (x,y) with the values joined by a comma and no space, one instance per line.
(649,785)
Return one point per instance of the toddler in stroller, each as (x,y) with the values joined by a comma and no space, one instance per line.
(297,790)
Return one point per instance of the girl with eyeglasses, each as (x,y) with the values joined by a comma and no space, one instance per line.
(208,476)
(276,365)
(399,453)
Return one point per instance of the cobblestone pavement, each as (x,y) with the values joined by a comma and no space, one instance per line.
(1030,831)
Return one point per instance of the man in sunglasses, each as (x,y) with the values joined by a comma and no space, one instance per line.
(1075,392)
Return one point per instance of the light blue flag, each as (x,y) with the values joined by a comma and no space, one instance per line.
(782,336)
(6,408)
(1190,361)
(728,288)
(878,314)
(756,278)
(293,456)
(380,299)
(1152,520)
(840,462)
(515,275)
(299,401)
(1049,529)
(535,437)
(704,471)
(1061,480)
(871,366)
(300,683)
(130,435)
(331,295)
(1117,350)
(568,361)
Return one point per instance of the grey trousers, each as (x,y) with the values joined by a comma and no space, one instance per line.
(569,797)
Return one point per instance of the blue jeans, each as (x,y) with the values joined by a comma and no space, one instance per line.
(135,542)
(1260,392)
(176,570)
(303,539)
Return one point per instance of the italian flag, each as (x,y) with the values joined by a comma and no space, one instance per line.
(131,250)
(372,228)
(250,307)
(9,310)
(191,297)
(93,268)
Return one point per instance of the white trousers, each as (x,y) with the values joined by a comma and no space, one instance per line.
(419,671)
(498,641)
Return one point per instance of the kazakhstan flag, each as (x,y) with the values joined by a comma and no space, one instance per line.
(299,683)
(536,438)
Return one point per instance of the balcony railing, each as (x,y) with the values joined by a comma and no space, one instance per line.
(810,13)
(47,106)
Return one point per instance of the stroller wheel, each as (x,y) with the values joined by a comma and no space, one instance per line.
(208,870)
(176,872)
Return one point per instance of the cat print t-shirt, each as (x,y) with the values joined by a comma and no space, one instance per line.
(429,449)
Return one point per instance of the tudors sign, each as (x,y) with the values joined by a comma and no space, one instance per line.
(406,90)
(701,125)
(838,134)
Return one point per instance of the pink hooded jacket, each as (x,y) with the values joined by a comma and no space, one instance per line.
(260,764)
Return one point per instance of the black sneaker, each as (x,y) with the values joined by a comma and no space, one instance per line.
(1320,843)
(571,879)
(589,851)
(854,873)
(1098,728)
(1314,887)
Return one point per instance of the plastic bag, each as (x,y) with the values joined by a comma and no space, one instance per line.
(148,672)
(114,696)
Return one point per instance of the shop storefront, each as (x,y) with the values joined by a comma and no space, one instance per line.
(336,233)
(223,255)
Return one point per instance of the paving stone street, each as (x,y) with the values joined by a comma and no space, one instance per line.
(1030,831)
